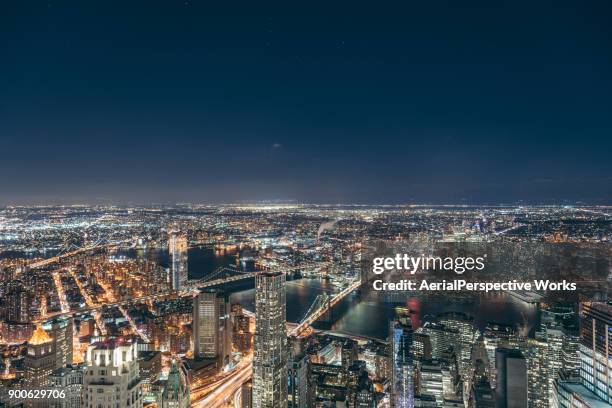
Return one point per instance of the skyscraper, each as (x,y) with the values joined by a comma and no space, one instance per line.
(596,348)
(178,246)
(464,325)
(246,394)
(211,326)
(431,378)
(402,371)
(18,300)
(441,338)
(40,359)
(112,378)
(60,330)
(497,335)
(270,342)
(511,369)
(298,392)
(538,371)
(17,327)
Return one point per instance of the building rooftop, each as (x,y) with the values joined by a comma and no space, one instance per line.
(40,336)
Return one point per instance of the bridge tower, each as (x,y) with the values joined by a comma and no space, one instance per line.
(327,318)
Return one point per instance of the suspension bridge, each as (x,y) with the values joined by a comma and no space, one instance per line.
(322,304)
(71,250)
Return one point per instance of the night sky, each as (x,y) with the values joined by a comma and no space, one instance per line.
(323,102)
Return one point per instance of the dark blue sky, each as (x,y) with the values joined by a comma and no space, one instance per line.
(431,101)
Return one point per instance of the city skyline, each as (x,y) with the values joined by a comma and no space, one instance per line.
(277,306)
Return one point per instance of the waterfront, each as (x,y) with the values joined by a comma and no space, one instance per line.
(361,315)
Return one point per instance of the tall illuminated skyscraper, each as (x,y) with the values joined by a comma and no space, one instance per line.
(538,369)
(299,388)
(402,369)
(467,335)
(211,326)
(178,247)
(596,348)
(40,359)
(270,342)
(60,330)
(18,300)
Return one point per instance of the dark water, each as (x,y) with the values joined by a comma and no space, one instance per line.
(371,318)
(301,294)
(201,260)
(33,254)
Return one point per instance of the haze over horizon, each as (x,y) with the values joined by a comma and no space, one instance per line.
(163,102)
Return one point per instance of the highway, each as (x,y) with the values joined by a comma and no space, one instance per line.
(219,393)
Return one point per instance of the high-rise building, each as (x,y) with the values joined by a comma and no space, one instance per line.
(60,330)
(40,359)
(511,371)
(298,382)
(402,369)
(425,401)
(270,342)
(538,373)
(464,326)
(176,390)
(497,335)
(430,381)
(211,326)
(596,348)
(570,355)
(17,327)
(421,345)
(246,394)
(112,378)
(178,247)
(554,339)
(568,392)
(18,299)
(364,396)
(382,363)
(69,379)
(440,338)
